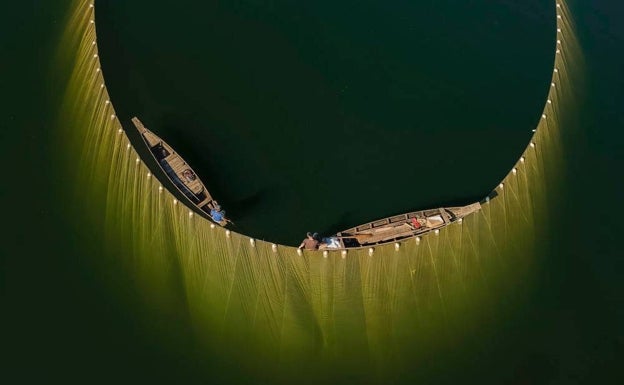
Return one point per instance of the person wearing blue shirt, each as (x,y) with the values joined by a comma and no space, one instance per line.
(217,215)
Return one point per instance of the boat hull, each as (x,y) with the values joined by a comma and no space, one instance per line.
(403,226)
(178,172)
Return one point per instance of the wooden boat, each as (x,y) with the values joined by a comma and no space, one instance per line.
(180,173)
(402,226)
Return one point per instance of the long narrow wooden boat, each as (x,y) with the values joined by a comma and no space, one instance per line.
(180,173)
(402,226)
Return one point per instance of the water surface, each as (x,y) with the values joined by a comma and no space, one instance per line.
(410,105)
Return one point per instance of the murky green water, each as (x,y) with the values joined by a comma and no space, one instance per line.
(109,281)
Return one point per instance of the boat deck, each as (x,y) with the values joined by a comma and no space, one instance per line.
(403,226)
(176,169)
(179,166)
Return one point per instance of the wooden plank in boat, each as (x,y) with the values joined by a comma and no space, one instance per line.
(176,163)
(363,227)
(195,186)
(381,222)
(431,212)
(445,215)
(386,233)
(398,218)
(151,139)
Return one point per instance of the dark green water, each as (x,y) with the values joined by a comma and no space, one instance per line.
(412,105)
(61,325)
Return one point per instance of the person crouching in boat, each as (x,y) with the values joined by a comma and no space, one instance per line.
(309,243)
(218,215)
(189,175)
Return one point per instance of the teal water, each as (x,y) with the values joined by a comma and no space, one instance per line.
(63,323)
